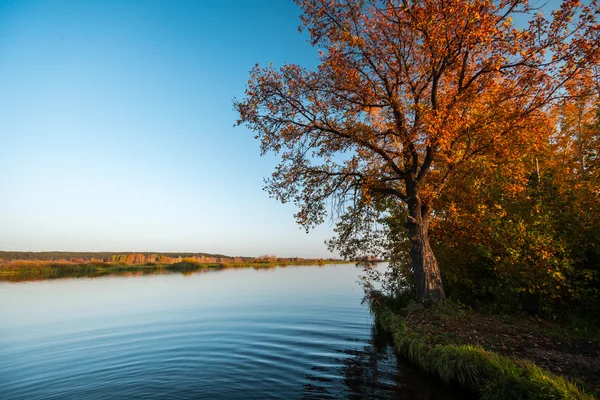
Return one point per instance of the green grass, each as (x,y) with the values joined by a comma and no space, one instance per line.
(489,375)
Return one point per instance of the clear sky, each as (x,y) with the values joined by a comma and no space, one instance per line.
(116,127)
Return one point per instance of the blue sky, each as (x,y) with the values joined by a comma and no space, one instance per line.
(116,127)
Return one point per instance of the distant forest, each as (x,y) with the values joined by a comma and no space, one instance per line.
(134,257)
(88,256)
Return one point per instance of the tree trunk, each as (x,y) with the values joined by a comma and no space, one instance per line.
(428,281)
(580,140)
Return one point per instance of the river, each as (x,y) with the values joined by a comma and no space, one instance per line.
(295,332)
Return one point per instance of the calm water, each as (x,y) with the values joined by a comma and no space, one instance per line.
(290,333)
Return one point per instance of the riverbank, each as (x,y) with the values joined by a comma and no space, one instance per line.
(18,271)
(496,357)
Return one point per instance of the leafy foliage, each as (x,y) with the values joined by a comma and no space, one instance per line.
(528,240)
(407,97)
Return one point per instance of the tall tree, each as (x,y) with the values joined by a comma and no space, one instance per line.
(406,93)
(579,134)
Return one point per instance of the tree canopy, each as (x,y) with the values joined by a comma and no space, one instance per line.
(408,97)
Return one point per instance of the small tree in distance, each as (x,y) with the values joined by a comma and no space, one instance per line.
(407,93)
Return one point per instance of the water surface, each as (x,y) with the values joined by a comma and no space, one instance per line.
(291,333)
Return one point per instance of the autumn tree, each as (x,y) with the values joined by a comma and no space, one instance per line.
(526,235)
(578,138)
(406,94)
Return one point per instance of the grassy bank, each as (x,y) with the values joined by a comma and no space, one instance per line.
(16,271)
(446,341)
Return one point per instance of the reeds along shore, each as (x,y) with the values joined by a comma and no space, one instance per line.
(22,270)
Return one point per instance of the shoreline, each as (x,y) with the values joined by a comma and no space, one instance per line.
(35,270)
(433,340)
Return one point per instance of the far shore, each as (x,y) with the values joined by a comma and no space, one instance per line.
(32,270)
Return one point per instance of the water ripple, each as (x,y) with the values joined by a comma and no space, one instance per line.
(198,337)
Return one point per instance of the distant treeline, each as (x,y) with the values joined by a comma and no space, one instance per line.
(132,258)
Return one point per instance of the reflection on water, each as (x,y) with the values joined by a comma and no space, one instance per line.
(64,272)
(374,371)
(290,333)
